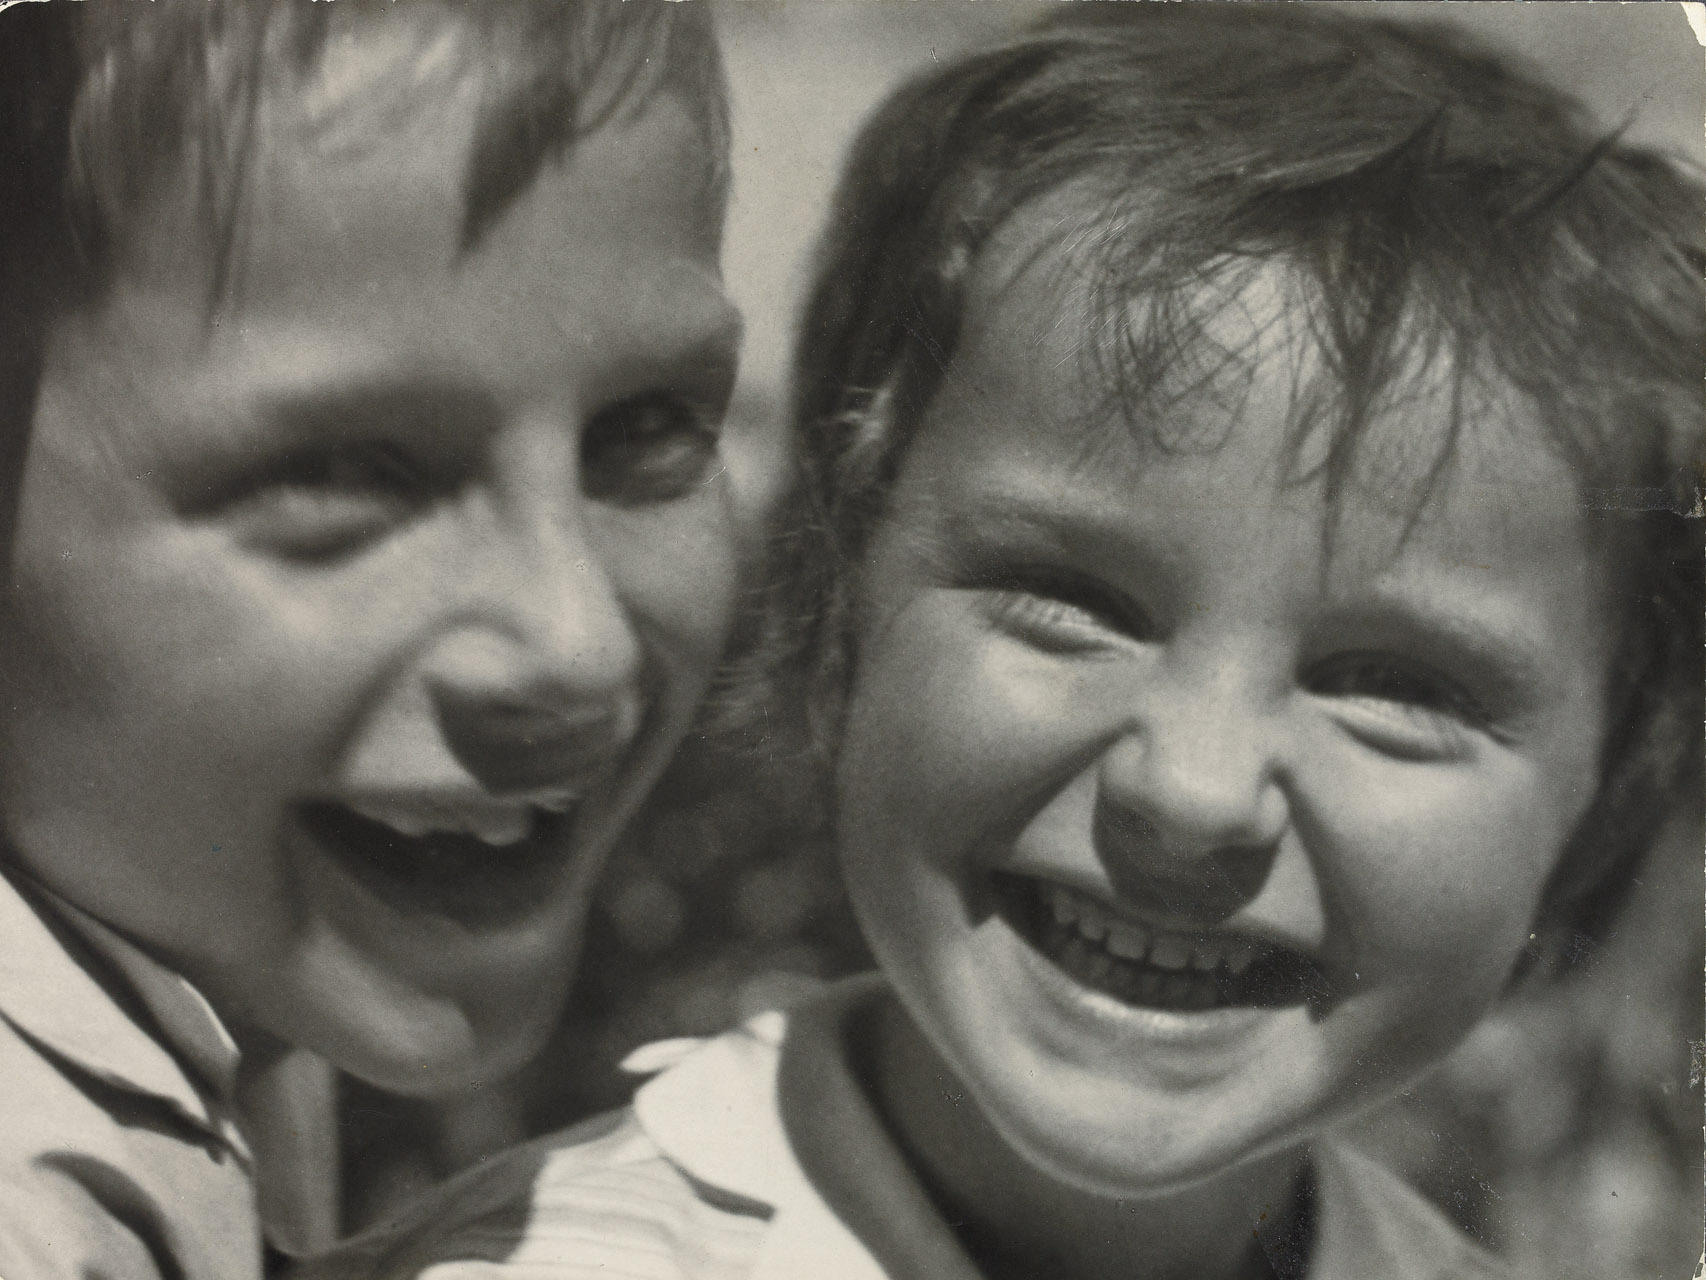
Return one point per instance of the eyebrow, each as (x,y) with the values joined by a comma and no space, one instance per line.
(448,410)
(984,508)
(699,339)
(702,340)
(982,511)
(949,533)
(225,451)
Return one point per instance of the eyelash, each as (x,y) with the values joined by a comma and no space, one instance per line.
(1402,708)
(1059,611)
(376,467)
(1397,681)
(1408,709)
(322,504)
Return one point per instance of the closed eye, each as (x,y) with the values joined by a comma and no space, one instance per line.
(1060,612)
(323,503)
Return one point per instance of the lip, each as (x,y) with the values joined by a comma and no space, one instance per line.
(568,762)
(527,751)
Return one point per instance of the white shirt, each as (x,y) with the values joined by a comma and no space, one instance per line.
(120,1154)
(756,1156)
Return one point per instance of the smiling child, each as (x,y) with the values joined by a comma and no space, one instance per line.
(367,556)
(1239,571)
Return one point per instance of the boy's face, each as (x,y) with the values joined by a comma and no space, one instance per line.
(1178,837)
(347,634)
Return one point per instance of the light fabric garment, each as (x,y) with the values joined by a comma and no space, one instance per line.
(120,1157)
(756,1156)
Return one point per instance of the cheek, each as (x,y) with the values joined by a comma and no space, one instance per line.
(678,570)
(215,655)
(169,695)
(1438,874)
(159,715)
(953,737)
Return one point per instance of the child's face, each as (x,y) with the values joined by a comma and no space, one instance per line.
(1177,838)
(347,634)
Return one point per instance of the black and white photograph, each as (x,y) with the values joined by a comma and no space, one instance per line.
(852,639)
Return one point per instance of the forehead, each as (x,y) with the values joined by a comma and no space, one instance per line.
(362,158)
(346,253)
(1131,358)
(1446,469)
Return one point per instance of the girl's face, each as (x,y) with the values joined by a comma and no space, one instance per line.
(346,635)
(1177,836)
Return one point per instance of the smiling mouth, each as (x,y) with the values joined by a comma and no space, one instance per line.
(477,870)
(1148,967)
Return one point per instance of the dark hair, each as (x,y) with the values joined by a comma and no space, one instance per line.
(99,103)
(1443,214)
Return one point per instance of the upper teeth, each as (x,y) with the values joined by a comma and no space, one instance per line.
(496,825)
(1130,940)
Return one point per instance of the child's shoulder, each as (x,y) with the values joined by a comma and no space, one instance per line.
(749,1155)
(606,1196)
(105,1132)
(697,1180)
(598,1199)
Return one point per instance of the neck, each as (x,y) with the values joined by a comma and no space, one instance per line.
(287,1109)
(1017,1221)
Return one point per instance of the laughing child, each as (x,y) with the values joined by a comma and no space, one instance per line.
(1239,565)
(366,555)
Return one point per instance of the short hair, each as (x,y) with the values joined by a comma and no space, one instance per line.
(98,101)
(1443,212)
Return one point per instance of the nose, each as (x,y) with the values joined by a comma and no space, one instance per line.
(1190,807)
(544,688)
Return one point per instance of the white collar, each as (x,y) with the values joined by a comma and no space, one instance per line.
(714,1112)
(53,998)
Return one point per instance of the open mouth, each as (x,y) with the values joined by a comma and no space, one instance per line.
(476,871)
(1148,967)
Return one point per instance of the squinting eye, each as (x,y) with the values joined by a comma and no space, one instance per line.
(323,504)
(1060,614)
(647,449)
(1410,710)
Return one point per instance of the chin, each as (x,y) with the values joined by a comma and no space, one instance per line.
(1130,1164)
(1101,1174)
(432,1052)
(430,1067)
